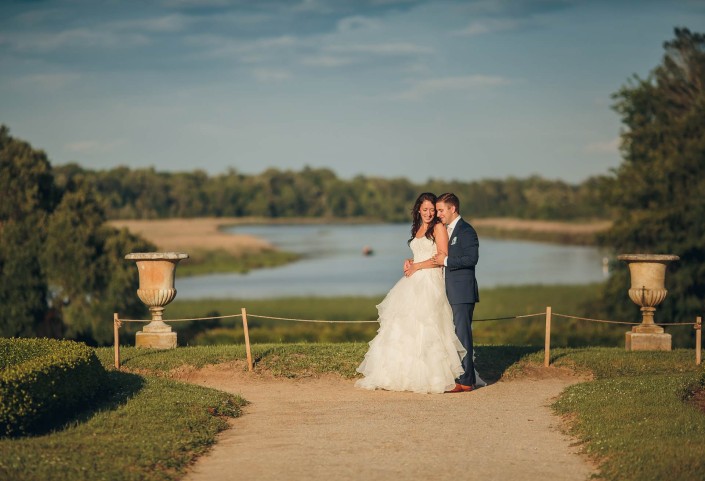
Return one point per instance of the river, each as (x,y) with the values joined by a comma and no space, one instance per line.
(333,263)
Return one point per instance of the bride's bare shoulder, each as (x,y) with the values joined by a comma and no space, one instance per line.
(439,228)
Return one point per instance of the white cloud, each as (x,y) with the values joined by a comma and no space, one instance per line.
(271,75)
(314,6)
(195,3)
(35,17)
(326,61)
(604,147)
(433,86)
(47,82)
(382,49)
(487,26)
(166,23)
(390,2)
(357,22)
(72,38)
(220,46)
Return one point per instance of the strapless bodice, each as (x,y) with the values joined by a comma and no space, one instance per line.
(423,248)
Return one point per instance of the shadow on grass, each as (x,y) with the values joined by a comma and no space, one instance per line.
(492,361)
(260,355)
(120,387)
(128,355)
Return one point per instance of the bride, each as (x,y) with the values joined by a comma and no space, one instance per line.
(416,348)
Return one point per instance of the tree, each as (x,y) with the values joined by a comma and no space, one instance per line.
(657,190)
(28,196)
(23,288)
(62,269)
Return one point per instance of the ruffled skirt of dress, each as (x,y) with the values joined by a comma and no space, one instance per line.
(416,348)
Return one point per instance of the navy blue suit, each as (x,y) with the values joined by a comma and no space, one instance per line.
(461,289)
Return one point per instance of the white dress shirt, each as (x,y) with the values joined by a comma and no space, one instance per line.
(450,228)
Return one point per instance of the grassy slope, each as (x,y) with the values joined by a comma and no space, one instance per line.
(151,429)
(635,419)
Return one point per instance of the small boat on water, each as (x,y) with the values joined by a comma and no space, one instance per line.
(367,251)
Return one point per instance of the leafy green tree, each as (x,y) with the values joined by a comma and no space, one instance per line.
(27,196)
(23,288)
(658,189)
(62,269)
(26,179)
(85,266)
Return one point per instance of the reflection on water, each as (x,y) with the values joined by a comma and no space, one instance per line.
(334,264)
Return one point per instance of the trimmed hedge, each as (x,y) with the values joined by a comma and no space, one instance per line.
(44,382)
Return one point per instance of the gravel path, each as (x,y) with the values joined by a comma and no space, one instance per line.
(325,429)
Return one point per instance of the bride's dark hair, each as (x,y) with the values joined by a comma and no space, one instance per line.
(416,216)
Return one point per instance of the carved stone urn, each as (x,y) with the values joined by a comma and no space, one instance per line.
(648,274)
(156,273)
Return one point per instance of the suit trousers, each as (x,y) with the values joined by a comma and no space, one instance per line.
(462,318)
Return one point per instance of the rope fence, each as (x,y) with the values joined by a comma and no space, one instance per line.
(548,313)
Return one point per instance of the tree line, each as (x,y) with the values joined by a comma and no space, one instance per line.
(148,194)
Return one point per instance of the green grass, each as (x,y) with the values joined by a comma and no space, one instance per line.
(151,429)
(639,428)
(606,362)
(292,360)
(635,419)
(495,302)
(286,360)
(347,308)
(203,262)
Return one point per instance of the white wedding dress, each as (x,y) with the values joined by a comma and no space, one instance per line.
(416,348)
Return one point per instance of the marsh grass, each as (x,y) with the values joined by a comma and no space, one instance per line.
(579,300)
(220,261)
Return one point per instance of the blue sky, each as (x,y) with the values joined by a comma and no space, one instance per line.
(394,88)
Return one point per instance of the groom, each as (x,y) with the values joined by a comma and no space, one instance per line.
(461,286)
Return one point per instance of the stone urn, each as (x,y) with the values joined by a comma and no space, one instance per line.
(156,273)
(648,274)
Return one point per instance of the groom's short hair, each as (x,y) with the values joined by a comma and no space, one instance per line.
(450,199)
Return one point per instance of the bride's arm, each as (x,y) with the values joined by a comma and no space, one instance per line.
(441,238)
(441,234)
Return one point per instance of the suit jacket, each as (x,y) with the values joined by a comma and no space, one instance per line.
(463,253)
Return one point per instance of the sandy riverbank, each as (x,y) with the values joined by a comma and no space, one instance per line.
(201,233)
(204,233)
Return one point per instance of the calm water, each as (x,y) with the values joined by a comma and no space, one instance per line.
(334,265)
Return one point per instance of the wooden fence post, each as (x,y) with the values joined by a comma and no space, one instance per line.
(247,339)
(547,346)
(116,336)
(698,339)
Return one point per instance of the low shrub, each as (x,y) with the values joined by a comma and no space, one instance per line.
(45,382)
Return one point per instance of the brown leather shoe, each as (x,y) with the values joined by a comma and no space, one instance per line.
(460,388)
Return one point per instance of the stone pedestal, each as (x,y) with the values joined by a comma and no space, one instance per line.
(642,341)
(156,335)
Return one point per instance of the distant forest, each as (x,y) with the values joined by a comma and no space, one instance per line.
(148,194)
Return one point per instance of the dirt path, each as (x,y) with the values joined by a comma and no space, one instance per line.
(325,429)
